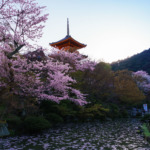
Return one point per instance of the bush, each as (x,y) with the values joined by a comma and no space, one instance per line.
(114,111)
(145,130)
(14,122)
(97,111)
(34,124)
(125,113)
(84,116)
(138,115)
(54,118)
(146,118)
(48,106)
(63,109)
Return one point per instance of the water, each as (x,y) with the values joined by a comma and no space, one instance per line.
(112,135)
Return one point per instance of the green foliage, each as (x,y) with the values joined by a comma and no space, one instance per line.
(66,109)
(145,118)
(79,76)
(117,111)
(145,130)
(2,108)
(12,132)
(126,89)
(137,62)
(33,124)
(96,111)
(54,118)
(124,113)
(2,111)
(14,122)
(99,80)
(114,111)
(48,106)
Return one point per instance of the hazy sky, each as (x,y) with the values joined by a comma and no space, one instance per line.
(112,29)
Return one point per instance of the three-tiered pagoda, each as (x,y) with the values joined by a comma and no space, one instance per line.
(68,43)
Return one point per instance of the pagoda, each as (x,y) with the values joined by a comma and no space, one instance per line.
(68,43)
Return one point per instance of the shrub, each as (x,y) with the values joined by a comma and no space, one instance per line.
(48,106)
(14,122)
(114,111)
(84,116)
(97,111)
(145,130)
(146,118)
(54,118)
(125,113)
(33,124)
(66,109)
(138,115)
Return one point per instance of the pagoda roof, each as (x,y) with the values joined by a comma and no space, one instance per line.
(68,41)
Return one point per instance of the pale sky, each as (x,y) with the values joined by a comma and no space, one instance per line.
(112,29)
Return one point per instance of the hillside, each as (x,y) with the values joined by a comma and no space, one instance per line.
(140,61)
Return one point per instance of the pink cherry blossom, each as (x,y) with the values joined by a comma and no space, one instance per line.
(22,22)
(75,61)
(44,80)
(143,80)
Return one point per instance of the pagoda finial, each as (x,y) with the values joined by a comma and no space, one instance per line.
(67,27)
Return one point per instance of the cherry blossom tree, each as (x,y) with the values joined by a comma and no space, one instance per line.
(45,80)
(4,70)
(21,21)
(75,60)
(143,80)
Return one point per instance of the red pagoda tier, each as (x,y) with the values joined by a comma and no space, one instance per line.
(68,43)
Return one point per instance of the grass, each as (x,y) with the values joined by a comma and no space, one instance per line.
(145,130)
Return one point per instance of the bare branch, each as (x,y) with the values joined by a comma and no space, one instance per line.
(15,51)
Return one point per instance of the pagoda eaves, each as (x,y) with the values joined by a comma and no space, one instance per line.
(68,43)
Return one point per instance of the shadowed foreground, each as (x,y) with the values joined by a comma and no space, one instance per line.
(112,135)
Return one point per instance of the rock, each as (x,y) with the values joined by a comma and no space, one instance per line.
(3,129)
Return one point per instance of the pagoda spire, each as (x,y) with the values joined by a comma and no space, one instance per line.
(67,27)
(68,43)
